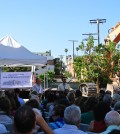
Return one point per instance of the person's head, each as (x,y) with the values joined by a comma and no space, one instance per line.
(78,93)
(72,115)
(64,80)
(17,91)
(115,98)
(58,111)
(112,118)
(71,97)
(107,99)
(33,103)
(108,92)
(117,106)
(38,81)
(24,120)
(100,111)
(90,103)
(5,104)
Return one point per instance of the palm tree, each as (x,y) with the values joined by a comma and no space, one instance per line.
(77,49)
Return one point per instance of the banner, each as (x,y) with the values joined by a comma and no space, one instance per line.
(16,79)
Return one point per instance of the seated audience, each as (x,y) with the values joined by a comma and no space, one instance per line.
(72,116)
(15,104)
(78,96)
(112,120)
(98,125)
(71,98)
(3,129)
(5,107)
(108,100)
(57,117)
(21,101)
(115,131)
(117,107)
(88,116)
(25,120)
(115,98)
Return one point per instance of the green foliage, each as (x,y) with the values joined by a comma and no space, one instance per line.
(50,75)
(57,64)
(67,74)
(95,64)
(16,69)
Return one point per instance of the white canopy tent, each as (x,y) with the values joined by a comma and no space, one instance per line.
(12,53)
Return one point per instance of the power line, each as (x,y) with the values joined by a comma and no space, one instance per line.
(98,21)
(89,34)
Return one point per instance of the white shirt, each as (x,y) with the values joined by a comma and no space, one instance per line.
(63,86)
(68,129)
(38,88)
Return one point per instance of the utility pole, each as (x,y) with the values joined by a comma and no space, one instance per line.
(98,21)
(89,34)
(73,41)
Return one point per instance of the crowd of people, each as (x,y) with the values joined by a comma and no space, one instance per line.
(67,110)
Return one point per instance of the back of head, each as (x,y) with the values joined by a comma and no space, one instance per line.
(24,120)
(72,115)
(17,90)
(100,111)
(112,118)
(107,99)
(5,104)
(116,97)
(71,97)
(90,103)
(117,106)
(78,93)
(59,110)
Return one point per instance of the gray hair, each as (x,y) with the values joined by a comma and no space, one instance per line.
(72,115)
(116,97)
(112,118)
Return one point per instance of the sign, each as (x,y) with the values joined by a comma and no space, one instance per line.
(16,79)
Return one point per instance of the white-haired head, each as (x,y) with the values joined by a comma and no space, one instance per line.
(72,115)
(112,118)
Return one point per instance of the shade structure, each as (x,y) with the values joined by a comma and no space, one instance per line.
(12,53)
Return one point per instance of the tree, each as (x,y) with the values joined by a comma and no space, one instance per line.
(57,64)
(66,50)
(50,76)
(95,65)
(77,49)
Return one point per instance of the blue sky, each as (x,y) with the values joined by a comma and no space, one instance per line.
(42,25)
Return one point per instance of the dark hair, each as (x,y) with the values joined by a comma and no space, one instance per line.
(90,103)
(17,90)
(78,93)
(5,104)
(100,111)
(59,110)
(33,103)
(24,119)
(114,131)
